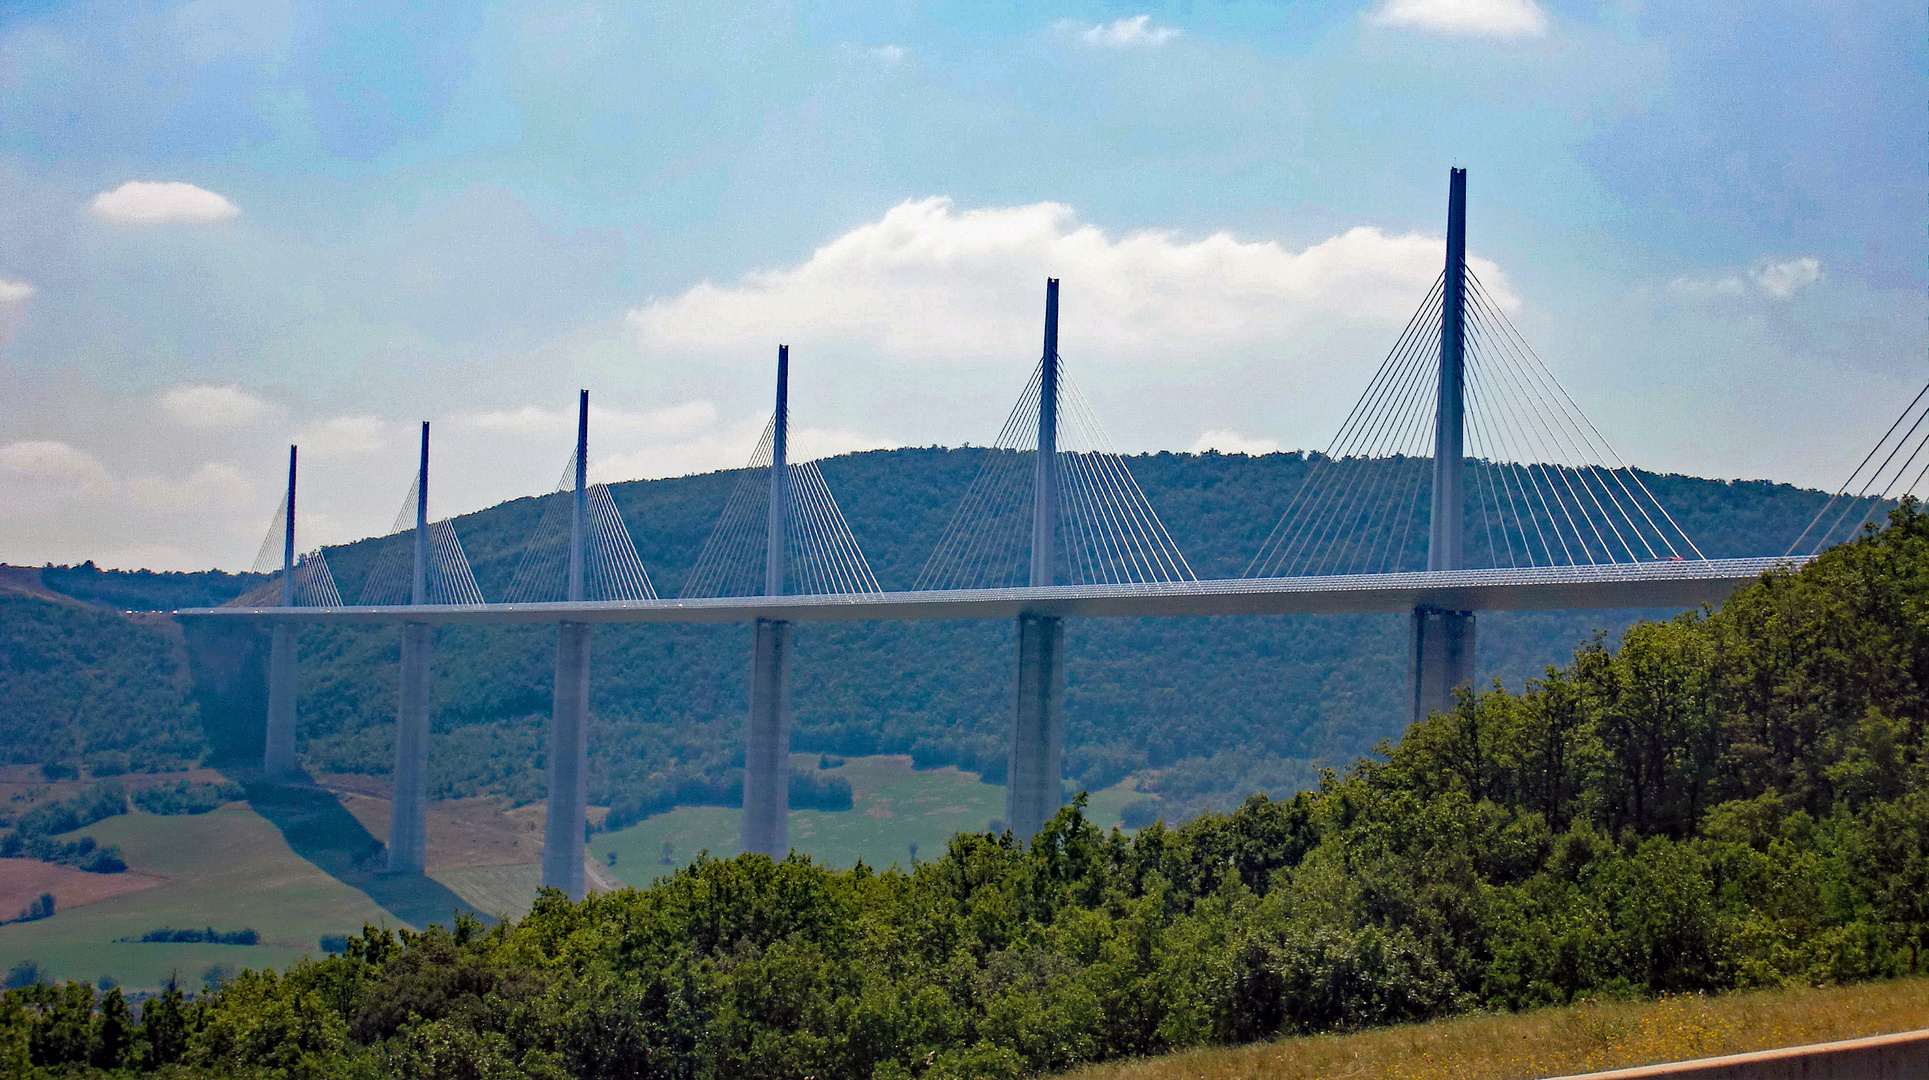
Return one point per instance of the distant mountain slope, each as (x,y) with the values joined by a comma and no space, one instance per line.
(82,685)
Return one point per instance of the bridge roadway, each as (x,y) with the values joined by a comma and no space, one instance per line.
(1616,585)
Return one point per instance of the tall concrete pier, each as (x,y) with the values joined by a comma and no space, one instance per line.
(409,812)
(1442,642)
(568,801)
(1033,790)
(278,750)
(766,758)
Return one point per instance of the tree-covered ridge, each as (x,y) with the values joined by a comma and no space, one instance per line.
(1218,707)
(148,590)
(1172,694)
(93,687)
(1727,800)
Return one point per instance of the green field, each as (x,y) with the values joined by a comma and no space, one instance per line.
(291,868)
(894,808)
(230,869)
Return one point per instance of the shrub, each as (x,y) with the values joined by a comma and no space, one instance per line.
(187,797)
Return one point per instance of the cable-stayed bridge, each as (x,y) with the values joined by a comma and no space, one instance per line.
(1464,480)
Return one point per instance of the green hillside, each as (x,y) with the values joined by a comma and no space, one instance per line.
(1220,706)
(1225,706)
(1725,801)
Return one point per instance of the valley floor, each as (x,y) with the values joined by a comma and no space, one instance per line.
(1584,1038)
(304,862)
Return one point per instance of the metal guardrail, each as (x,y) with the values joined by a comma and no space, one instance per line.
(1902,1056)
(1613,585)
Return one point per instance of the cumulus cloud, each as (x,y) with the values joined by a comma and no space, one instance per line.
(673,441)
(215,485)
(343,436)
(15,292)
(1783,279)
(1778,279)
(1132,32)
(1231,442)
(141,202)
(603,423)
(37,477)
(1468,18)
(929,281)
(212,405)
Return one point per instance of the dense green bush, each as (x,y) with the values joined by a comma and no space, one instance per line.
(1731,799)
(103,801)
(207,935)
(187,796)
(33,835)
(41,907)
(82,854)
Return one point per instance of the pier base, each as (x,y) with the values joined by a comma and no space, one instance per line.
(408,837)
(1441,659)
(766,757)
(568,806)
(1034,789)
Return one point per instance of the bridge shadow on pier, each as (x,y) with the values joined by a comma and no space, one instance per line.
(315,824)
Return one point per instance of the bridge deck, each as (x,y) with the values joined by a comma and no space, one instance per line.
(1653,584)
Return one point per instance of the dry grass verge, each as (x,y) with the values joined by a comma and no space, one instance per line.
(1559,1042)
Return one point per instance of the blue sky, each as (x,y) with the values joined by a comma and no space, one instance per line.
(1710,218)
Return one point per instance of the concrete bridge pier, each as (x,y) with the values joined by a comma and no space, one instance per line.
(766,755)
(1032,786)
(568,804)
(1441,651)
(278,753)
(408,817)
(1442,643)
(409,811)
(278,748)
(766,749)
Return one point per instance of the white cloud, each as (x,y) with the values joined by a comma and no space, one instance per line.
(216,485)
(211,405)
(1132,32)
(1231,442)
(1783,279)
(888,55)
(1472,18)
(140,202)
(1778,279)
(675,441)
(603,423)
(14,292)
(342,436)
(930,282)
(37,477)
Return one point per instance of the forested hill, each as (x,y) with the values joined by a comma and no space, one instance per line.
(1722,802)
(1221,706)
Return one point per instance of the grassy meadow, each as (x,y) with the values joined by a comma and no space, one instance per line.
(230,869)
(1589,1037)
(893,808)
(297,866)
